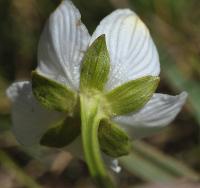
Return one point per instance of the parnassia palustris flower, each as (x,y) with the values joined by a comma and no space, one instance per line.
(61,50)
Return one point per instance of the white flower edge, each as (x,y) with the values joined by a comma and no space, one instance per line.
(160,111)
(29,119)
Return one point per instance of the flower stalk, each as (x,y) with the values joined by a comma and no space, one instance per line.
(91,115)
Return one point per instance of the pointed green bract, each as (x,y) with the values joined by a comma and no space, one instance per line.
(52,95)
(113,140)
(132,95)
(63,133)
(95,69)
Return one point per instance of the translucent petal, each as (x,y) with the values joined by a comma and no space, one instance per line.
(45,155)
(62,45)
(30,120)
(132,51)
(156,114)
(113,164)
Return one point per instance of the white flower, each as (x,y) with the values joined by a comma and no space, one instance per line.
(60,53)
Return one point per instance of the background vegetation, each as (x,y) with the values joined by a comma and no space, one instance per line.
(172,156)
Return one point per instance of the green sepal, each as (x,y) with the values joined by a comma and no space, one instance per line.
(96,66)
(132,95)
(113,140)
(62,134)
(53,95)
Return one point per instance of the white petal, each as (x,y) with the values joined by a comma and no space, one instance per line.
(62,45)
(113,164)
(156,114)
(30,120)
(132,51)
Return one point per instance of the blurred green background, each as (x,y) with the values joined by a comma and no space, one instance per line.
(172,156)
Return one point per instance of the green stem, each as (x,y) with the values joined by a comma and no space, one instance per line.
(91,115)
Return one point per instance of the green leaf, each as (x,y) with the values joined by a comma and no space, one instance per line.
(63,133)
(91,116)
(150,164)
(132,95)
(113,140)
(53,95)
(95,70)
